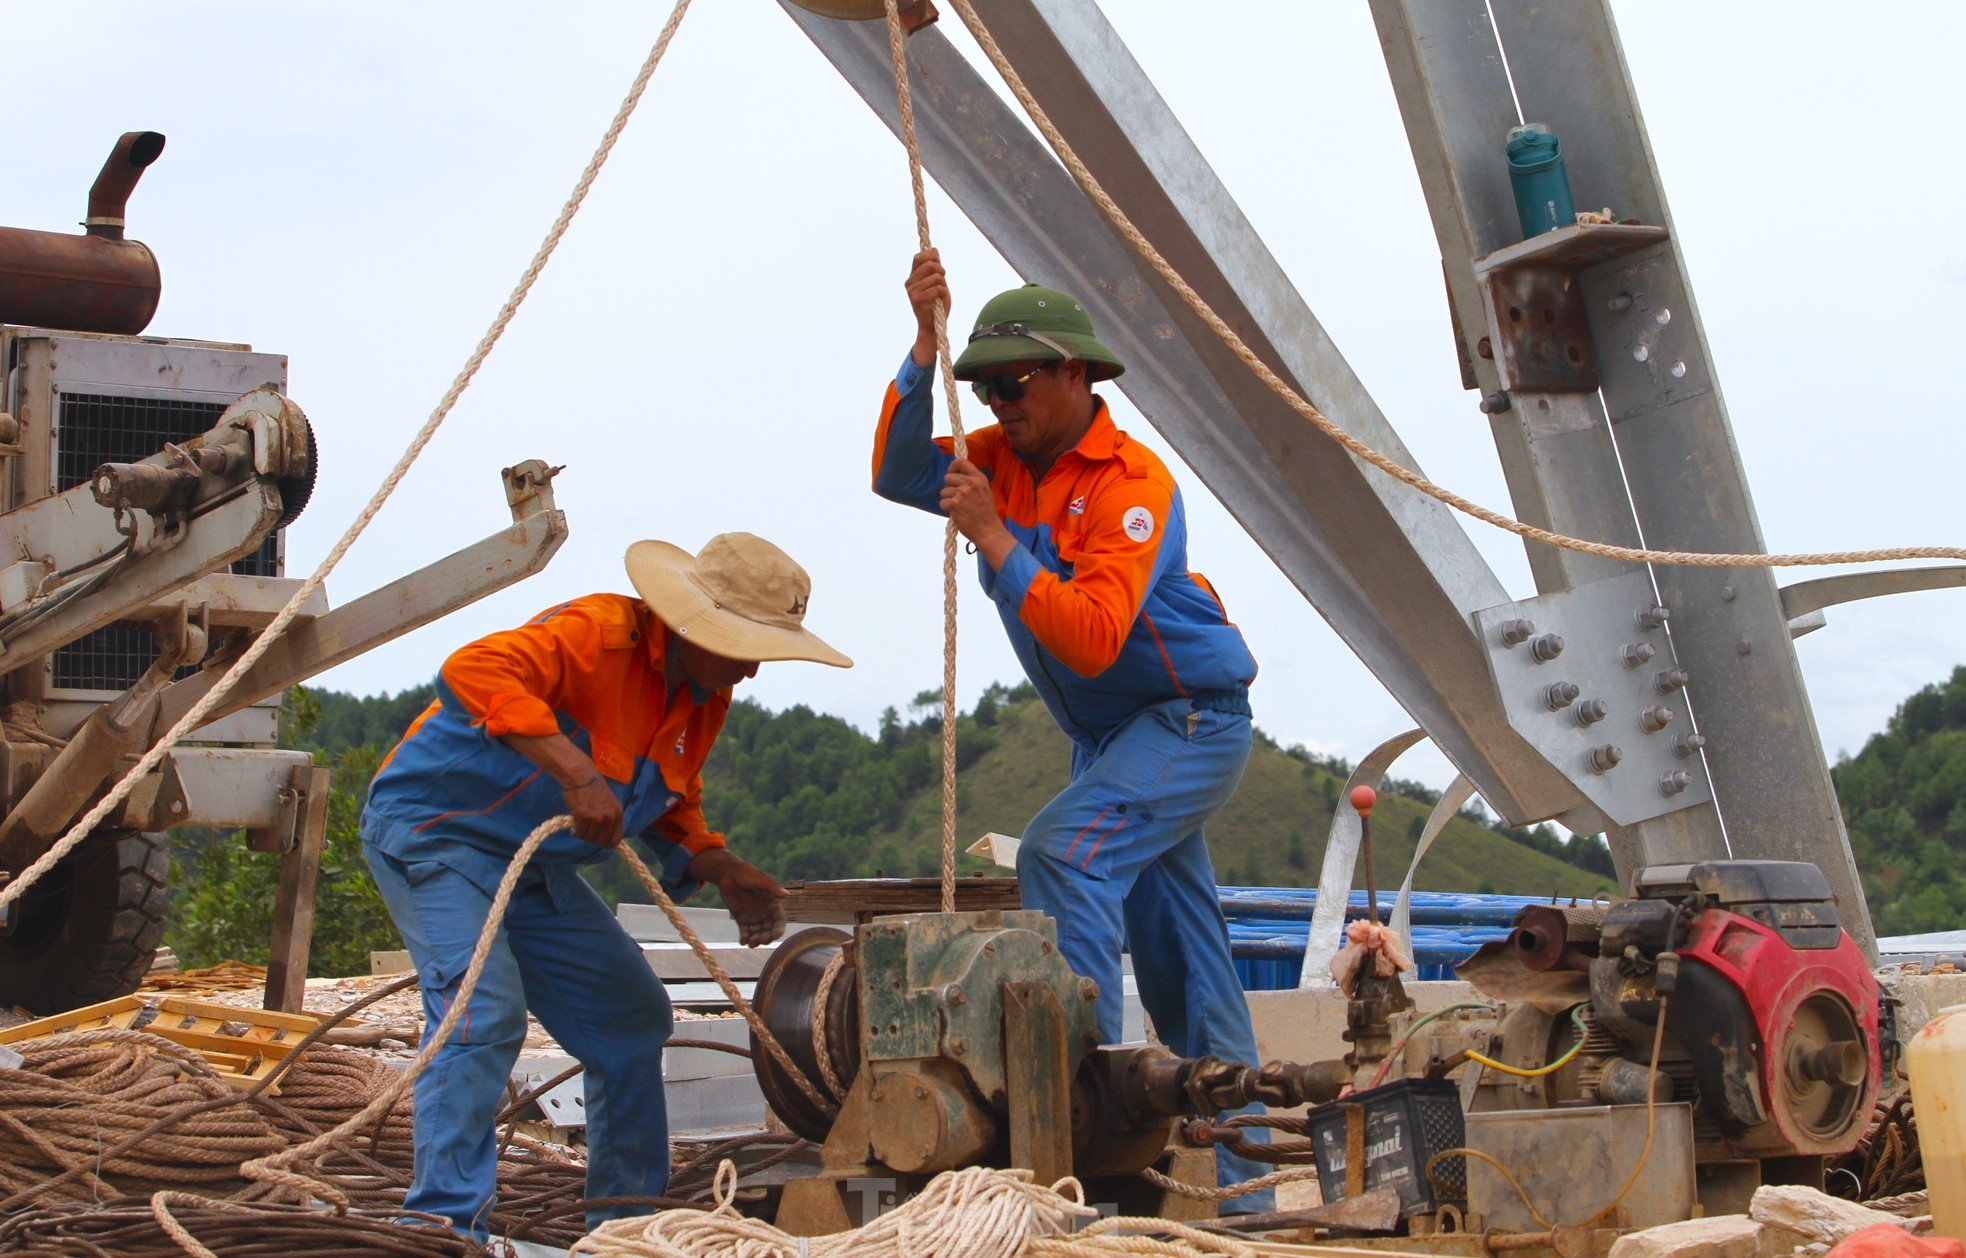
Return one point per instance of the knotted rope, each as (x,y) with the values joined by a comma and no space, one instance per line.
(259,646)
(1391,467)
(948,371)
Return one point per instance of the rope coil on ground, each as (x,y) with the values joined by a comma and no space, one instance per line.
(1358,448)
(948,372)
(978,1212)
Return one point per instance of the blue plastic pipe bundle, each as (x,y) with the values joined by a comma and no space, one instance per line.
(1268,927)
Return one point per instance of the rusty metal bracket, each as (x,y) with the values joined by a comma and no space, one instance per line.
(1531,292)
(915,14)
(407,603)
(1036,1037)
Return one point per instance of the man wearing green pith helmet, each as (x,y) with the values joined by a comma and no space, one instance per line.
(1081,542)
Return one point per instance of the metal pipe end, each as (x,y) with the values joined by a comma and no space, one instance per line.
(110,193)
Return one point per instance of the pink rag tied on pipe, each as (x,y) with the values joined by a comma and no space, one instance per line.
(1368,939)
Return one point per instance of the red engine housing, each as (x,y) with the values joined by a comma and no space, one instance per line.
(1794,998)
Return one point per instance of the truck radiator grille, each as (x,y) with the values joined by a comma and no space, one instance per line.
(93,429)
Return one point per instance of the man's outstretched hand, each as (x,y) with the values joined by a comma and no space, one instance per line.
(749,893)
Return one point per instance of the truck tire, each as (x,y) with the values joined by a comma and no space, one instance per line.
(89,929)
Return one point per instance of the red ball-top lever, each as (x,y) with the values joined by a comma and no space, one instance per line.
(1363,797)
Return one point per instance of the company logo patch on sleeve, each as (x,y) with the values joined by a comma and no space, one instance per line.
(1138,523)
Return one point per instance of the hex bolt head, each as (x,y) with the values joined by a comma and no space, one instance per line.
(1637,653)
(1670,680)
(1623,301)
(1605,758)
(1655,718)
(1496,402)
(1674,782)
(1518,631)
(1591,711)
(1088,989)
(1547,647)
(1560,695)
(1653,617)
(1686,746)
(955,994)
(957,1047)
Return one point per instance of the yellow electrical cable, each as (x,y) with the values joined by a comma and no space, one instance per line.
(1506,1174)
(1576,1016)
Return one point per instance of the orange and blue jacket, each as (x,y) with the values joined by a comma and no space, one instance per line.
(451,791)
(1097,597)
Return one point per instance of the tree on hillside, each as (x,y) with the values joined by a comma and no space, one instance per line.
(1904,803)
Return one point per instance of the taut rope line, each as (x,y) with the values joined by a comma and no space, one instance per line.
(1385,463)
(948,371)
(260,645)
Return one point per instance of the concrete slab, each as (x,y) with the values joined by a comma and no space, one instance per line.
(678,962)
(1306,1024)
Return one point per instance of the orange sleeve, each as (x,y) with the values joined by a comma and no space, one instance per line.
(1085,621)
(511,681)
(684,826)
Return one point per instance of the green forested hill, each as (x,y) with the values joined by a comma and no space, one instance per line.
(1271,834)
(806,795)
(1904,801)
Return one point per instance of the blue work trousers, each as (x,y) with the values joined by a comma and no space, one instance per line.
(1118,857)
(561,953)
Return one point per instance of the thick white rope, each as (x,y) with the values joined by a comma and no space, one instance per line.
(1385,463)
(192,719)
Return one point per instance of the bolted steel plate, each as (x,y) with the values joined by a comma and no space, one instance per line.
(1611,729)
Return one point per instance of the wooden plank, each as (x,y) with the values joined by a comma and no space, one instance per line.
(293,903)
(270,1024)
(205,1041)
(119,1012)
(843,902)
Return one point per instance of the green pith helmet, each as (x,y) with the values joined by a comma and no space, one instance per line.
(1033,324)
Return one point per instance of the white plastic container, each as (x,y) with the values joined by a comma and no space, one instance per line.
(1936,1060)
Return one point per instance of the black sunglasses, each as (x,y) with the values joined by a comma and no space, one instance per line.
(1005,388)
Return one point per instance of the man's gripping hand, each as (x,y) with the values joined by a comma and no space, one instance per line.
(596,812)
(967,500)
(928,287)
(749,893)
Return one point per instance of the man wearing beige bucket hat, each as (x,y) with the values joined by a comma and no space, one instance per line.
(604,707)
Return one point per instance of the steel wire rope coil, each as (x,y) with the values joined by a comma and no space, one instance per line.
(786,996)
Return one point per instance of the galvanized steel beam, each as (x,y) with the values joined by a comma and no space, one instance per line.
(1390,569)
(1555,446)
(1688,487)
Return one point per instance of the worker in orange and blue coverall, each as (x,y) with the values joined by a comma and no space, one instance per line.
(605,708)
(1081,539)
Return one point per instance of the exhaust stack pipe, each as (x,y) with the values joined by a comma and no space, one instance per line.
(111,190)
(96,282)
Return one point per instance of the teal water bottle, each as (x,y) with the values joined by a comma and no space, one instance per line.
(1542,189)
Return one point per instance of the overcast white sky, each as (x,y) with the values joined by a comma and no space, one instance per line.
(357,185)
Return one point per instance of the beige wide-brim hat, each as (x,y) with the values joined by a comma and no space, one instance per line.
(741,598)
